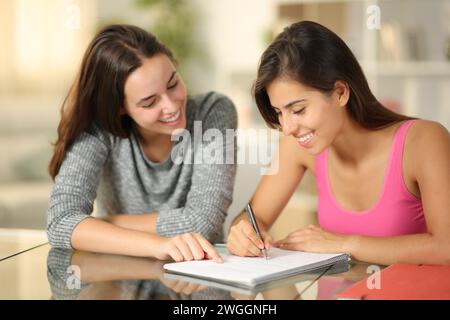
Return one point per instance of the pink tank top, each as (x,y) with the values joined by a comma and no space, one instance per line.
(396,212)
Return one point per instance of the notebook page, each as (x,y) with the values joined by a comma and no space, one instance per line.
(248,269)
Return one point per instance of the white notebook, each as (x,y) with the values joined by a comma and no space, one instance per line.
(253,271)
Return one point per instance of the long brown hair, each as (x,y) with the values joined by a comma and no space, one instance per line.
(315,56)
(97,93)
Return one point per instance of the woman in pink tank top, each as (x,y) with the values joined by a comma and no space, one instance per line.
(383,179)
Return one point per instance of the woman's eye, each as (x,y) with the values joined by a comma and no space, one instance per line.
(299,111)
(173,86)
(149,105)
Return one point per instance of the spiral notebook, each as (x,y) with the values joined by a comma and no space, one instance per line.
(249,272)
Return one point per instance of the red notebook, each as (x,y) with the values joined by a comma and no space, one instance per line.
(405,282)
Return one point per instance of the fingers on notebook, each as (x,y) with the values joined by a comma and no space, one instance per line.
(299,246)
(192,246)
(175,253)
(196,249)
(208,249)
(186,251)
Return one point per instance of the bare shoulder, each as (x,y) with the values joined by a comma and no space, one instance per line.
(426,135)
(290,149)
(427,140)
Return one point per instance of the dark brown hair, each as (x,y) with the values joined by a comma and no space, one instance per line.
(97,94)
(315,56)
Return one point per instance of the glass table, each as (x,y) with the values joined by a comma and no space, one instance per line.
(42,272)
(14,241)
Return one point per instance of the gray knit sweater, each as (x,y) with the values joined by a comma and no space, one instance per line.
(189,197)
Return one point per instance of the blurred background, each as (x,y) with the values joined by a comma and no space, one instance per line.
(403,46)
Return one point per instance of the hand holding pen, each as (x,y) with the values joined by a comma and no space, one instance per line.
(252,218)
(247,237)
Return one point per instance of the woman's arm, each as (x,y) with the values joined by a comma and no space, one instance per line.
(99,236)
(95,235)
(430,163)
(271,196)
(75,187)
(71,203)
(140,222)
(416,248)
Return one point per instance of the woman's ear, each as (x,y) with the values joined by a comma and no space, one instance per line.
(343,92)
(122,111)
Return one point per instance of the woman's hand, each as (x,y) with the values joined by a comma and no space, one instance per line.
(313,239)
(187,247)
(243,240)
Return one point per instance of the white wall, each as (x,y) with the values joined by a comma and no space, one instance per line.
(233,33)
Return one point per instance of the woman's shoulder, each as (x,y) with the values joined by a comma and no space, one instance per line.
(426,133)
(215,107)
(95,134)
(425,127)
(426,138)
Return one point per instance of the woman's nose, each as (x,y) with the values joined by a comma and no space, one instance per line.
(288,126)
(169,106)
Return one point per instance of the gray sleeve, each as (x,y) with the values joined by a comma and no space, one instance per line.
(74,191)
(211,189)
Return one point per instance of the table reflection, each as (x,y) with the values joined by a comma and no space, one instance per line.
(92,276)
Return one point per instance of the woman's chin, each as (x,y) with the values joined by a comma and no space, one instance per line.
(316,150)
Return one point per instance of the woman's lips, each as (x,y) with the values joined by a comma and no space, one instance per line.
(172,121)
(306,138)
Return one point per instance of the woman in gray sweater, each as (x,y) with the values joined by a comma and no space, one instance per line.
(126,124)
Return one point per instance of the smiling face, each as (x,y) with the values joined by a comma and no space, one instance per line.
(314,118)
(155,97)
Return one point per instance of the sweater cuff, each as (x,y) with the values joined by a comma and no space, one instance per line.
(60,233)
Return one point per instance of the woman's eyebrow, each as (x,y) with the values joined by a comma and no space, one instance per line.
(290,104)
(151,96)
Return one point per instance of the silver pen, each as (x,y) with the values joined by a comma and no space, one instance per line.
(251,217)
